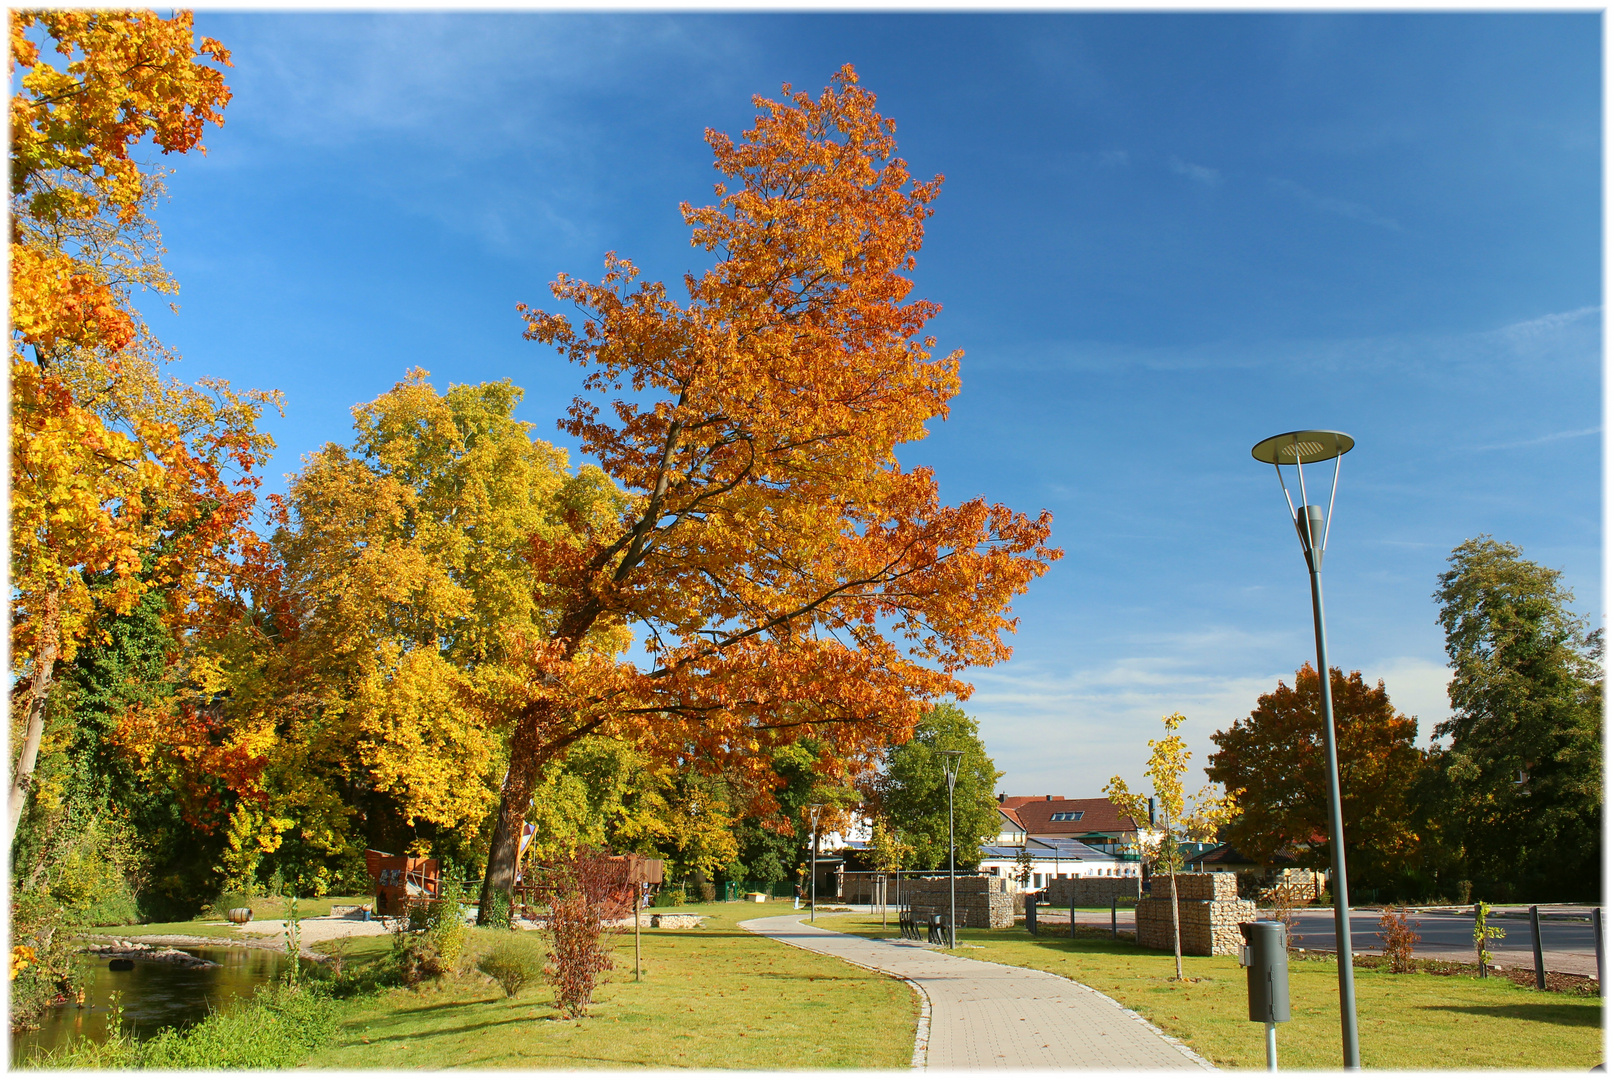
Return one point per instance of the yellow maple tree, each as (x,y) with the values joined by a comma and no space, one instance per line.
(121,481)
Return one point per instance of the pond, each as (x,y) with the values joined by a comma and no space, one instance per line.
(155,995)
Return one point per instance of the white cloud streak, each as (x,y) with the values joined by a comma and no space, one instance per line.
(1562,338)
(1204,174)
(1557,436)
(1330,205)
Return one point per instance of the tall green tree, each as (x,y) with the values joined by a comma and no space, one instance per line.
(1524,767)
(911,791)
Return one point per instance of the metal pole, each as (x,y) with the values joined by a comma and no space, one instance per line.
(1535,940)
(1272,1046)
(952,887)
(1115,928)
(1597,937)
(1073,914)
(812,917)
(1342,904)
(638,891)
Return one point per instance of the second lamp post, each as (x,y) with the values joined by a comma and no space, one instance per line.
(950,760)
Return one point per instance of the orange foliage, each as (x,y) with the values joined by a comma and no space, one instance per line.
(788,574)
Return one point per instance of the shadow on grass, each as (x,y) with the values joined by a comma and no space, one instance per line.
(427,1036)
(1588,1015)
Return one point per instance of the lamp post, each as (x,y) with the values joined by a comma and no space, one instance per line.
(812,916)
(950,761)
(1302,448)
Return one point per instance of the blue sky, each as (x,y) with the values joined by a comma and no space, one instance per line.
(1162,238)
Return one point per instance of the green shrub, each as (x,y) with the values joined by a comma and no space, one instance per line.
(672,896)
(41,927)
(511,966)
(432,945)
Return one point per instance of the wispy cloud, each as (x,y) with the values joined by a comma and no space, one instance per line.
(1571,338)
(1202,173)
(1330,205)
(1113,158)
(1556,436)
(404,104)
(1051,730)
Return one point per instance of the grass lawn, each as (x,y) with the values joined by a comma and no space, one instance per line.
(1404,1021)
(712,998)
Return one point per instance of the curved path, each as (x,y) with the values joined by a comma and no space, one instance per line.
(984,1015)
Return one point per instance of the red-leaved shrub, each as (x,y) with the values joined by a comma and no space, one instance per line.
(1399,937)
(589,891)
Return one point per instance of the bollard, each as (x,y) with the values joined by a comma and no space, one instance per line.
(1073,915)
(1031,914)
(1115,931)
(1535,940)
(1266,956)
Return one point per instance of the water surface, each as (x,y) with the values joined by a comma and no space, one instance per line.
(155,995)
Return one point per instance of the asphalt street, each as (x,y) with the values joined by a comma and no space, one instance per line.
(1567,940)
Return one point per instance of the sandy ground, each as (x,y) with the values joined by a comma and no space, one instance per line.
(320,928)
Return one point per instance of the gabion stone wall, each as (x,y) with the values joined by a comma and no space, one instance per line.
(1209,913)
(1093,891)
(982,901)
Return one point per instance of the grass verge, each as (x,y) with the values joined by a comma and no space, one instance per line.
(1413,1021)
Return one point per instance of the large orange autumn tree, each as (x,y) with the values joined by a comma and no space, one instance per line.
(785,573)
(122,481)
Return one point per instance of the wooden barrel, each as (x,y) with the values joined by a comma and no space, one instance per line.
(239,914)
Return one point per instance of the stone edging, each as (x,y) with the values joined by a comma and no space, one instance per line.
(124,949)
(921,1035)
(198,941)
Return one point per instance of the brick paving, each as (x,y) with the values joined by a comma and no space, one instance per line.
(984,1015)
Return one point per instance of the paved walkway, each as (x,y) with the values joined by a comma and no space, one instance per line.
(984,1016)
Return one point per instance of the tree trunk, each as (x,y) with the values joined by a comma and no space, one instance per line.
(514,800)
(44,671)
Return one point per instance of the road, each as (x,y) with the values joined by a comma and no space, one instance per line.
(1567,939)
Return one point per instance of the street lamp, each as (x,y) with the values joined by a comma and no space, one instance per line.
(950,761)
(1302,448)
(812,916)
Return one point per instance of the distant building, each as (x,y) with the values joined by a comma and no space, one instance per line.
(1096,823)
(1051,859)
(1063,838)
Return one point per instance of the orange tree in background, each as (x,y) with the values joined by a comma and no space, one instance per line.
(1273,759)
(787,575)
(121,482)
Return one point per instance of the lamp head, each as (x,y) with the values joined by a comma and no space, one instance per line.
(950,762)
(1302,447)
